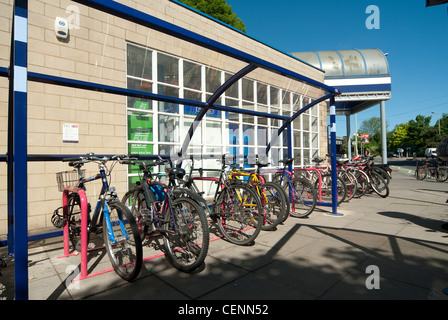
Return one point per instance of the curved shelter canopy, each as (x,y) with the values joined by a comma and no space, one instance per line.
(362,75)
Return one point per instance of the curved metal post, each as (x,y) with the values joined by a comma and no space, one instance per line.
(294,116)
(232,80)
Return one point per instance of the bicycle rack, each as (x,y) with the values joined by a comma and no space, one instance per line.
(18,74)
(84,219)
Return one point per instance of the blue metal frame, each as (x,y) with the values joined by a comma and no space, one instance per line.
(17,157)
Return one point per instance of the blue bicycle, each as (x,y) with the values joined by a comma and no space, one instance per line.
(302,194)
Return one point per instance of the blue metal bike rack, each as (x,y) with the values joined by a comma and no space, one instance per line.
(17,157)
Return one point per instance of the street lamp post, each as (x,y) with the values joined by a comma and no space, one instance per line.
(438,119)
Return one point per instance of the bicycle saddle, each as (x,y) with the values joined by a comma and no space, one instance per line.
(262,163)
(287,161)
(318,160)
(176,173)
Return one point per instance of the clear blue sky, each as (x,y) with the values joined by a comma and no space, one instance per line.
(415,37)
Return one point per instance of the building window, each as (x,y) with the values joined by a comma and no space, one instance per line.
(156,127)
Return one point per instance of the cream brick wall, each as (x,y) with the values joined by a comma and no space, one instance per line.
(96,52)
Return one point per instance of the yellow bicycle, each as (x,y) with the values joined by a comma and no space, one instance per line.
(273,198)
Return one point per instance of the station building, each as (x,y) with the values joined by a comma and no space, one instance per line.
(104,49)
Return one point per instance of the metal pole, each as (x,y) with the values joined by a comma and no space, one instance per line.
(334,177)
(349,138)
(19,155)
(383,132)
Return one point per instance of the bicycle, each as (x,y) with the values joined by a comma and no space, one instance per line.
(162,212)
(321,178)
(430,170)
(236,209)
(301,192)
(273,198)
(122,240)
(368,177)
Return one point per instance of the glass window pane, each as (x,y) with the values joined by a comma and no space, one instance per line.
(314,124)
(233,90)
(139,85)
(167,69)
(296,140)
(248,89)
(192,75)
(212,79)
(166,150)
(140,127)
(168,128)
(234,135)
(315,141)
(262,136)
(197,136)
(275,98)
(139,62)
(286,100)
(167,106)
(214,134)
(306,122)
(306,140)
(262,93)
(248,135)
(248,118)
(262,120)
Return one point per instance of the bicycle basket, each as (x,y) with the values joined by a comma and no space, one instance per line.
(67,178)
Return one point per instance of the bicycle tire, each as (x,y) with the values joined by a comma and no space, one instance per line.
(74,221)
(362,183)
(275,204)
(302,198)
(382,172)
(327,188)
(236,222)
(441,174)
(186,239)
(378,184)
(421,172)
(125,249)
(135,201)
(350,183)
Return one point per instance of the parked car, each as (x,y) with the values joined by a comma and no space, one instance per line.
(430,153)
(392,155)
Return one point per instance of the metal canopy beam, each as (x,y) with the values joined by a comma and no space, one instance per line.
(149,21)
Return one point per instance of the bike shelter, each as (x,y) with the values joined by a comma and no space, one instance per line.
(17,156)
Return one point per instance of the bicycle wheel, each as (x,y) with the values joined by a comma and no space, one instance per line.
(122,240)
(378,184)
(441,174)
(135,201)
(350,183)
(326,189)
(186,236)
(362,183)
(302,197)
(238,213)
(275,204)
(421,172)
(74,220)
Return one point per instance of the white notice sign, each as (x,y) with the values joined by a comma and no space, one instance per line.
(70,132)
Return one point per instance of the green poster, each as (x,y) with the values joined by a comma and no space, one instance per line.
(140,128)
(137,148)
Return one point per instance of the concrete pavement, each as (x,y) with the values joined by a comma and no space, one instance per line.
(392,248)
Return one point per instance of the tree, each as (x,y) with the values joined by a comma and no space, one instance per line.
(218,9)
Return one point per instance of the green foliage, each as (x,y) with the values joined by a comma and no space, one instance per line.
(418,134)
(218,9)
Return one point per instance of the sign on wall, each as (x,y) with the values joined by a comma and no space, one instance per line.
(70,132)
